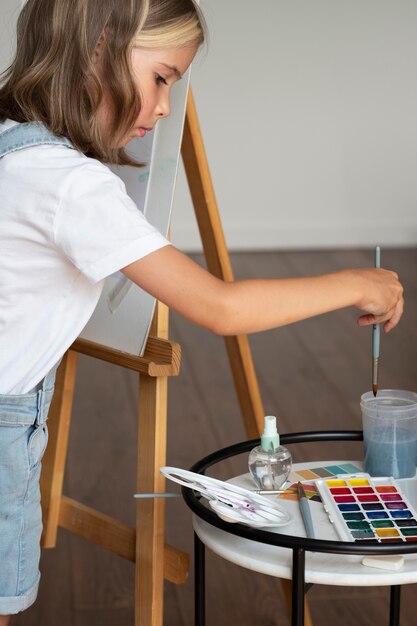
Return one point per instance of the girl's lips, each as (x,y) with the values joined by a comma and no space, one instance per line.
(142,131)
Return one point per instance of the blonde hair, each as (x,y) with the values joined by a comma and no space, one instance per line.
(170,25)
(54,80)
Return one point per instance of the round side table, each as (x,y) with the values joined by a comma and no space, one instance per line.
(284,555)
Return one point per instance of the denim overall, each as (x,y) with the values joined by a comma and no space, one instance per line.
(23,439)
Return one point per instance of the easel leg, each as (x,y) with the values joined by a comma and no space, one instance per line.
(218,262)
(145,544)
(149,574)
(53,464)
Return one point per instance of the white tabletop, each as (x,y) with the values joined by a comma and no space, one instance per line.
(322,568)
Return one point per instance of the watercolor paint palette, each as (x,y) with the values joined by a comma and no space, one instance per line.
(364,508)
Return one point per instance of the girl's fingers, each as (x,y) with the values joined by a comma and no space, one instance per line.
(366,320)
(396,316)
(370,318)
(389,320)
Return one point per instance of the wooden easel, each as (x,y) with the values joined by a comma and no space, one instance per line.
(218,262)
(144,544)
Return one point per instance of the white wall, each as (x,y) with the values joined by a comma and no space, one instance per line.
(309,115)
(9,10)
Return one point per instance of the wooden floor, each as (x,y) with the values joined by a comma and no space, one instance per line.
(311,375)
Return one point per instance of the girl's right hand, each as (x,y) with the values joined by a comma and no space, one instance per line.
(382,298)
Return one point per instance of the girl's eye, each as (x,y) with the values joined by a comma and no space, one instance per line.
(160,79)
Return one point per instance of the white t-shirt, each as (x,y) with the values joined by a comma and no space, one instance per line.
(66,222)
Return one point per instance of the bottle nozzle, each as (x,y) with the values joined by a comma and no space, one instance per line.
(270,437)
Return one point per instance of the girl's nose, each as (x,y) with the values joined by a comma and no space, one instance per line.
(163,108)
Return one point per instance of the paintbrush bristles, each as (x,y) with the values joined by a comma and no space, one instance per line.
(375,363)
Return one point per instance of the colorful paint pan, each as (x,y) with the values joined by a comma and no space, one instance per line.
(344,499)
(368,497)
(335,482)
(387,532)
(396,505)
(348,507)
(386,489)
(358,482)
(367,509)
(325,471)
(390,497)
(401,514)
(357,516)
(372,506)
(376,514)
(363,490)
(362,534)
(382,523)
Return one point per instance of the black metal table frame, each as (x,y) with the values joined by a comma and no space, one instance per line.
(298,545)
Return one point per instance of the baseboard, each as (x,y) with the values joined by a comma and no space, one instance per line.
(309,236)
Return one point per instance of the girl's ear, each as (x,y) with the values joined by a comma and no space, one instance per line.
(98,50)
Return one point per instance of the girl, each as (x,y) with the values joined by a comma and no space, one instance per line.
(87,77)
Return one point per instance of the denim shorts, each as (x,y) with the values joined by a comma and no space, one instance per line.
(23,439)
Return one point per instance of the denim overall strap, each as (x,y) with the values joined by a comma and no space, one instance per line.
(29,134)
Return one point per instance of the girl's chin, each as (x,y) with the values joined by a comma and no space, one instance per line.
(135,134)
(127,140)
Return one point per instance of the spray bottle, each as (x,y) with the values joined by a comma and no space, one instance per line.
(270,463)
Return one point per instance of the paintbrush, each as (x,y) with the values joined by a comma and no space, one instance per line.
(376,330)
(305,511)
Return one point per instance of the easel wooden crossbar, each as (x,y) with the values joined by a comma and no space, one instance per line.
(154,561)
